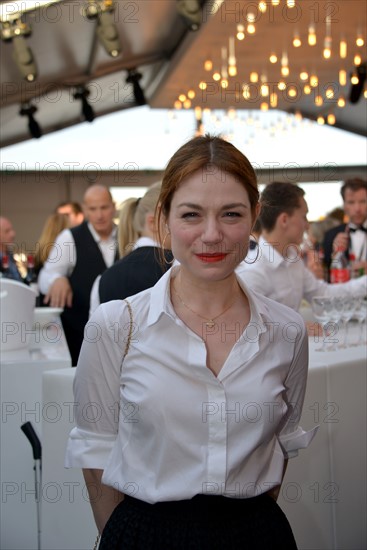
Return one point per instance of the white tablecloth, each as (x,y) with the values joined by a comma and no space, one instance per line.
(324,490)
(21,399)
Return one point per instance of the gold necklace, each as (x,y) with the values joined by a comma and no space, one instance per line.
(210,323)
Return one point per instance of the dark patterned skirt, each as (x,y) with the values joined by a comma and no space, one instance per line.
(203,523)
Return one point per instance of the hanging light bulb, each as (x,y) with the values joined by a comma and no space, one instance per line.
(251,18)
(314,80)
(177,104)
(327,41)
(262,6)
(208,65)
(343,49)
(216,76)
(341,102)
(182,97)
(357,60)
(331,119)
(246,92)
(359,40)
(191,94)
(240,32)
(291,3)
(282,85)
(304,76)
(264,88)
(273,58)
(264,106)
(284,63)
(232,68)
(320,120)
(329,93)
(275,2)
(297,42)
(254,77)
(307,89)
(319,101)
(202,85)
(354,79)
(342,77)
(312,40)
(327,48)
(224,72)
(273,99)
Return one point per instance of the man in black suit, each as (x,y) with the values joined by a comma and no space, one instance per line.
(350,237)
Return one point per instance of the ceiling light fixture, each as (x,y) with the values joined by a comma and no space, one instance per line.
(87,110)
(15,32)
(191,12)
(133,78)
(28,110)
(107,32)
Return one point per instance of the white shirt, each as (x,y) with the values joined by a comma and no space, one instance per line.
(94,295)
(287,280)
(182,430)
(62,257)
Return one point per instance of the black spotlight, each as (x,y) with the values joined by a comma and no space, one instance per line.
(357,89)
(33,126)
(133,78)
(87,110)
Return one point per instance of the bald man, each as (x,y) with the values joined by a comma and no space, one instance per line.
(79,255)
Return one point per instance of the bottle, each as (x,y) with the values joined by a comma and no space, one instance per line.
(339,268)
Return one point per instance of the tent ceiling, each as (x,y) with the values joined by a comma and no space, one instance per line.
(157,42)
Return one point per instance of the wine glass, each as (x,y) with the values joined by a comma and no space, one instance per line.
(360,314)
(350,303)
(336,314)
(322,309)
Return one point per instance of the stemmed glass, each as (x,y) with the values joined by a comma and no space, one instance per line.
(322,307)
(360,314)
(336,315)
(350,303)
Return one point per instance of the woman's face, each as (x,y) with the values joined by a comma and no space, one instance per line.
(210,223)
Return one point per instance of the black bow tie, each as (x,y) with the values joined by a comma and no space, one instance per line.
(354,228)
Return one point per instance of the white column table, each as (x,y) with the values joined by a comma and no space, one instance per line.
(21,401)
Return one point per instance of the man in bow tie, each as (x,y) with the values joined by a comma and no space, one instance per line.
(352,236)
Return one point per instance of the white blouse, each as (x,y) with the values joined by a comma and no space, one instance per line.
(162,426)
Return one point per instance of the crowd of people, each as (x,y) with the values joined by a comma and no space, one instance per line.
(191,271)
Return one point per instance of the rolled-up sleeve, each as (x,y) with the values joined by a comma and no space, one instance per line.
(97,388)
(291,436)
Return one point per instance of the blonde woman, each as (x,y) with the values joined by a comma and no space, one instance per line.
(54,224)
